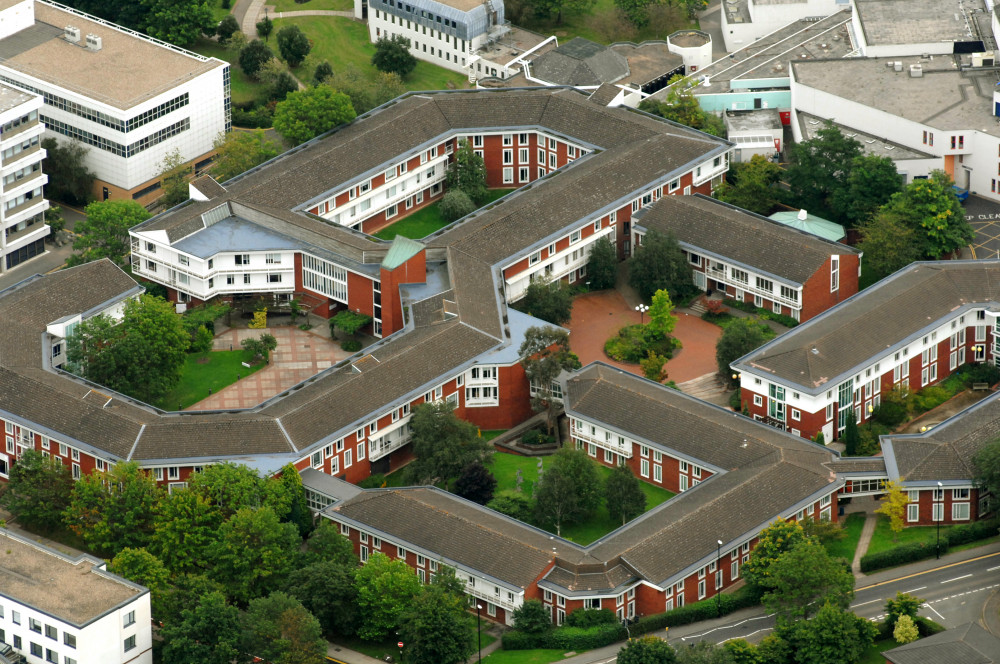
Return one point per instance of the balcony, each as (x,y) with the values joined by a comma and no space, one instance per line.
(492,599)
(624,450)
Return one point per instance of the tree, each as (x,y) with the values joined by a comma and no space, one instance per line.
(742,336)
(179,22)
(324,71)
(283,85)
(393,55)
(569,490)
(254,553)
(278,629)
(905,631)
(455,204)
(532,617)
(326,544)
(253,56)
(834,635)
(184,531)
(467,172)
(141,356)
(366,92)
(228,487)
(443,444)
(743,652)
(658,264)
(602,264)
(294,495)
(308,113)
(437,628)
(820,168)
(208,633)
(104,233)
(661,318)
(174,176)
(635,12)
(647,650)
(386,589)
(114,510)
(682,107)
(142,567)
(326,589)
(888,243)
(293,45)
(702,652)
(893,506)
(903,604)
(870,184)
(226,28)
(515,505)
(557,7)
(69,179)
(623,494)
(202,341)
(54,219)
(804,577)
(476,483)
(776,539)
(930,207)
(37,491)
(986,469)
(260,348)
(265,27)
(752,185)
(552,302)
(545,354)
(852,438)
(823,531)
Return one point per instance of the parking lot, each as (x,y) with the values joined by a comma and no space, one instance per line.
(984,217)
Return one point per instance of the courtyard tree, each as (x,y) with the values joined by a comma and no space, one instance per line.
(253,56)
(658,264)
(437,627)
(545,354)
(869,185)
(467,172)
(349,322)
(278,629)
(752,185)
(602,264)
(308,113)
(740,337)
(386,589)
(185,528)
(889,243)
(70,180)
(260,348)
(455,204)
(930,207)
(802,579)
(293,45)
(208,633)
(476,483)
(569,489)
(851,437)
(834,635)
(142,567)
(174,176)
(443,444)
(326,544)
(228,487)
(393,56)
(680,105)
(239,151)
(623,494)
(37,491)
(647,650)
(661,318)
(254,553)
(773,541)
(986,469)
(819,170)
(893,506)
(551,301)
(104,232)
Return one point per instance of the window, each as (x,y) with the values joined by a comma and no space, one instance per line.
(758,400)
(938,512)
(834,273)
(36,650)
(34,625)
(130,643)
(51,656)
(657,473)
(644,468)
(959,494)
(348,459)
(960,511)
(912,513)
(51,632)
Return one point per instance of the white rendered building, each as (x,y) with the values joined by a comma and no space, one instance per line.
(745,21)
(63,610)
(129,98)
(22,204)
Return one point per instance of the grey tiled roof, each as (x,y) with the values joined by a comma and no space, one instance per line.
(731,232)
(875,465)
(968,644)
(580,62)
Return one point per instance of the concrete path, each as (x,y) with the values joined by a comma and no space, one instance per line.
(866,537)
(252,11)
(311,12)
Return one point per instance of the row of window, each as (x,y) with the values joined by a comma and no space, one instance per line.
(16,123)
(111,146)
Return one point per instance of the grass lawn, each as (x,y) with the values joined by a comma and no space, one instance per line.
(846,547)
(197,378)
(426,220)
(242,87)
(490,434)
(874,653)
(293,6)
(524,657)
(578,24)
(882,539)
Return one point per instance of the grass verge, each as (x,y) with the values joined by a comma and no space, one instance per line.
(874,653)
(846,547)
(524,657)
(221,370)
(882,539)
(295,6)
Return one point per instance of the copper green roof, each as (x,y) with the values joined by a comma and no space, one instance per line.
(402,250)
(811,224)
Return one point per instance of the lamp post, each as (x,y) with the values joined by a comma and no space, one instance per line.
(937,547)
(479,628)
(871,409)
(642,309)
(718,575)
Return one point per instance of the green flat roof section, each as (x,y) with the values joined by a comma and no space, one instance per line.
(402,250)
(810,223)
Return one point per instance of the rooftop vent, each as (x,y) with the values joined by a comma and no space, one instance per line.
(71,33)
(803,215)
(897,65)
(93,42)
(916,71)
(814,351)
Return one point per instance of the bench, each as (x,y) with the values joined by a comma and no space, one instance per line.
(980,386)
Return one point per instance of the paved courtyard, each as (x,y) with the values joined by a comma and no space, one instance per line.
(300,354)
(598,316)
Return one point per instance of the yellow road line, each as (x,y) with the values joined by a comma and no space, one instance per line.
(910,576)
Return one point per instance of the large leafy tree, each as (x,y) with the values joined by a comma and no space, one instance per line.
(552,302)
(602,264)
(545,354)
(393,56)
(437,628)
(179,22)
(870,184)
(803,578)
(114,510)
(142,567)
(293,45)
(278,629)
(476,483)
(703,652)
(903,604)
(104,233)
(467,172)
(326,544)
(185,529)
(647,650)
(386,589)
(239,151)
(776,539)
(739,338)
(623,494)
(141,356)
(208,633)
(327,589)
(660,263)
(681,106)
(930,207)
(568,491)
(228,487)
(752,185)
(889,243)
(986,463)
(37,491)
(820,168)
(443,443)
(253,57)
(308,113)
(532,617)
(834,635)
(254,553)
(69,179)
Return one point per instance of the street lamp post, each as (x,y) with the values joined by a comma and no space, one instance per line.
(479,628)
(937,547)
(718,572)
(871,409)
(642,309)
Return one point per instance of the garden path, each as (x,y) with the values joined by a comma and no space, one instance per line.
(871,519)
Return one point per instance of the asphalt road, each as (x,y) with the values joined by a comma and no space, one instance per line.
(984,217)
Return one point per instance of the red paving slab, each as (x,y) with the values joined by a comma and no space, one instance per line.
(598,316)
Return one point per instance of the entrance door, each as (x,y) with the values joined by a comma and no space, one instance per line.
(699,280)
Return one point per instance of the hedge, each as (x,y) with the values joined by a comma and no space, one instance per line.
(766,314)
(973,532)
(908,553)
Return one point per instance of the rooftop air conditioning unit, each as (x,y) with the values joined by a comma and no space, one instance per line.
(71,33)
(916,71)
(897,65)
(93,42)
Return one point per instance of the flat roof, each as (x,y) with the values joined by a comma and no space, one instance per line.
(758,119)
(913,21)
(128,69)
(11,97)
(870,143)
(943,98)
(72,589)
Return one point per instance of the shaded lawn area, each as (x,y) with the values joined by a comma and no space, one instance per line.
(525,657)
(387,647)
(490,434)
(874,653)
(577,24)
(197,378)
(242,87)
(846,547)
(882,538)
(428,219)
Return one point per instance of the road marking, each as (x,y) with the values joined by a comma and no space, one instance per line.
(993,569)
(906,592)
(716,629)
(932,609)
(910,576)
(745,636)
(870,602)
(957,578)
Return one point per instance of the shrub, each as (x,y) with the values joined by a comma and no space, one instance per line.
(894,408)
(536,437)
(591,617)
(253,56)
(900,555)
(455,205)
(532,618)
(928,627)
(929,398)
(372,482)
(515,505)
(972,532)
(715,308)
(227,26)
(979,373)
(350,345)
(253,118)
(781,319)
(652,366)
(633,343)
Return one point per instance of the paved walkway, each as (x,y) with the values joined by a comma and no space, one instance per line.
(871,519)
(299,355)
(310,12)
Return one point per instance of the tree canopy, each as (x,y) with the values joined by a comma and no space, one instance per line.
(803,578)
(253,56)
(869,185)
(174,177)
(623,494)
(254,553)
(660,263)
(476,483)
(752,185)
(366,92)
(308,113)
(819,170)
(393,56)
(569,490)
(386,589)
(326,589)
(889,243)
(208,632)
(278,629)
(293,45)
(742,336)
(647,650)
(37,491)
(930,207)
(834,635)
(557,7)
(773,541)
(681,106)
(184,531)
(467,172)
(437,627)
(239,151)
(104,233)
(550,301)
(661,318)
(443,443)
(545,354)
(179,22)
(986,463)
(602,264)
(69,179)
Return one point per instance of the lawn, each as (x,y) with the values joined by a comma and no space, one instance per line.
(293,6)
(197,379)
(525,657)
(426,220)
(846,547)
(882,539)
(242,87)
(874,653)
(578,24)
(490,434)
